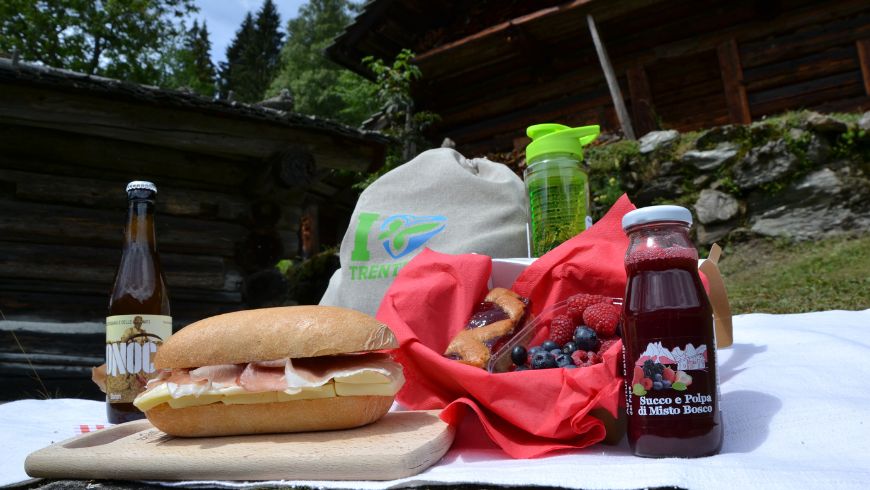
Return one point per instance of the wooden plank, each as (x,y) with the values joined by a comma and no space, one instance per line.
(51,223)
(732,82)
(180,129)
(817,65)
(109,194)
(807,94)
(863,46)
(815,35)
(55,300)
(98,265)
(642,107)
(612,84)
(62,153)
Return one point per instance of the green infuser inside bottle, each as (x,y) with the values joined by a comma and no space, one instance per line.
(556,183)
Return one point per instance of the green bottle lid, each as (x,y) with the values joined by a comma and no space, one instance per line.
(558,138)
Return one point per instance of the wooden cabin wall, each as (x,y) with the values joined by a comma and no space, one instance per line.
(684,64)
(62,213)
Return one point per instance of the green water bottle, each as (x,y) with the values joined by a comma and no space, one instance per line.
(556,183)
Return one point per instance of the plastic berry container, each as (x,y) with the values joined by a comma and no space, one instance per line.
(535,331)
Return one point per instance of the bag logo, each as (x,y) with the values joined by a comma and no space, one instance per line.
(399,234)
(405,233)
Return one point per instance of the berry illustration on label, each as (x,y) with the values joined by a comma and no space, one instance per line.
(658,368)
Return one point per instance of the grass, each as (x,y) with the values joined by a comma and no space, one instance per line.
(773,276)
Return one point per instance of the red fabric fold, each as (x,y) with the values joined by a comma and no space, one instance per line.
(529,413)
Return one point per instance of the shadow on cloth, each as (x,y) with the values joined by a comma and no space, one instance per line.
(741,353)
(747,416)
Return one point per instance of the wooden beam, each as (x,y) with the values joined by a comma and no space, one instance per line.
(612,82)
(641,99)
(864,60)
(732,82)
(182,129)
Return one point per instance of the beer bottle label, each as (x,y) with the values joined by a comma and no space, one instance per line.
(131,342)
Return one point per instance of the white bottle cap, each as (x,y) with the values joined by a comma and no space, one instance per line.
(652,214)
(142,184)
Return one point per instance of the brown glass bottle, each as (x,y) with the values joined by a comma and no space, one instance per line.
(139,319)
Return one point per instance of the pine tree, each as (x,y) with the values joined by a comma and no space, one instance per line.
(234,72)
(190,65)
(268,44)
(253,56)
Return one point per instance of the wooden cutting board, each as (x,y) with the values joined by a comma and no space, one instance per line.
(399,445)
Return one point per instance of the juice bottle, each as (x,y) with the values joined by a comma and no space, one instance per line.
(672,389)
(556,184)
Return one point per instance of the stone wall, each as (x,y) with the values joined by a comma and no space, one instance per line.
(800,176)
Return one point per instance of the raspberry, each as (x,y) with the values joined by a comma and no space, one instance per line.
(603,318)
(579,357)
(561,329)
(607,344)
(594,358)
(578,303)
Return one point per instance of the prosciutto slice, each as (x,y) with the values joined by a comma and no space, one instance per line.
(219,376)
(289,376)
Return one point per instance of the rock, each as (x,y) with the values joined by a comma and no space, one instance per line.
(712,137)
(702,180)
(655,140)
(669,167)
(282,102)
(830,201)
(709,234)
(716,207)
(763,165)
(823,123)
(816,149)
(709,160)
(663,187)
(864,122)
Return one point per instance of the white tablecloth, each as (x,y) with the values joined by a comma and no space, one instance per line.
(795,399)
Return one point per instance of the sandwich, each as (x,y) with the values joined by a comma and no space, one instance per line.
(272,370)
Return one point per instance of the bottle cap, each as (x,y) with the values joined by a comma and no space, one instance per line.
(557,138)
(142,184)
(652,214)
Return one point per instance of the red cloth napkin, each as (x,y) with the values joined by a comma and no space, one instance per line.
(529,413)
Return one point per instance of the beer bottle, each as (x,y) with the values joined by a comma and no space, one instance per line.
(139,320)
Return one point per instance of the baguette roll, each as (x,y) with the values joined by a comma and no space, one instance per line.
(272,370)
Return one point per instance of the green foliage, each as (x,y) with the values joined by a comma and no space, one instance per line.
(853,141)
(190,64)
(253,57)
(605,164)
(777,276)
(127,39)
(394,96)
(319,86)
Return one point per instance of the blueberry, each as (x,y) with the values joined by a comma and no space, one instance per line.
(569,366)
(536,348)
(569,347)
(519,355)
(658,377)
(540,360)
(657,385)
(556,352)
(585,338)
(563,360)
(549,345)
(666,384)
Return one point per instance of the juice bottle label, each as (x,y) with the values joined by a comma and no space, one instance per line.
(672,381)
(131,342)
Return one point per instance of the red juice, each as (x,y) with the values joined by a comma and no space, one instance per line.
(672,395)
